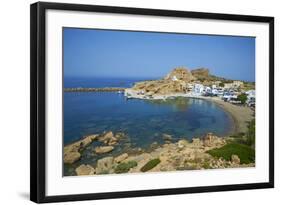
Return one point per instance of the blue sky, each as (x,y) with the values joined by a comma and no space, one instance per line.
(106,53)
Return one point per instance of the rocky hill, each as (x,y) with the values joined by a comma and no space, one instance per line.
(180,73)
(174,82)
(200,73)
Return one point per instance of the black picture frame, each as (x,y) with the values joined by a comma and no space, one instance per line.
(38,97)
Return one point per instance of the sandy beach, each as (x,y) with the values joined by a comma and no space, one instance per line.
(241,114)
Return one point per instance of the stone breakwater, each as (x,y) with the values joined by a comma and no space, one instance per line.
(180,155)
(106,89)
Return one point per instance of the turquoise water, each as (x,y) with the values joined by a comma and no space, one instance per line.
(144,121)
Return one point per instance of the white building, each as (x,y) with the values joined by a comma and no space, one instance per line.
(233,85)
(198,89)
(237,83)
(174,78)
(228,96)
(251,97)
(215,91)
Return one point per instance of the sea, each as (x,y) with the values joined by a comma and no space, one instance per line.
(143,121)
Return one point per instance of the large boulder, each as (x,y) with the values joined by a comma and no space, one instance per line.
(211,140)
(196,142)
(80,144)
(182,143)
(85,170)
(71,157)
(108,138)
(103,149)
(105,165)
(71,151)
(235,159)
(121,158)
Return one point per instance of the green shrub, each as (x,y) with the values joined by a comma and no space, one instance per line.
(151,164)
(206,165)
(124,167)
(242,97)
(221,84)
(244,152)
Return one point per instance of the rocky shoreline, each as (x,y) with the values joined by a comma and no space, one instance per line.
(170,156)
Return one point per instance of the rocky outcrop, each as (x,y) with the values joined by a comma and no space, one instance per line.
(85,170)
(175,82)
(200,73)
(71,151)
(80,144)
(103,149)
(180,73)
(105,166)
(108,138)
(197,142)
(71,157)
(235,159)
(159,87)
(196,154)
(182,143)
(211,140)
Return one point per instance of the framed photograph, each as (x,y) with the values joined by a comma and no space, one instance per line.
(129,102)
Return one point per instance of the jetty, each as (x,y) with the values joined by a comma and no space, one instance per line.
(105,89)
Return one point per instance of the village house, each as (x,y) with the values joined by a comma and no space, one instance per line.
(234,85)
(198,89)
(251,97)
(237,83)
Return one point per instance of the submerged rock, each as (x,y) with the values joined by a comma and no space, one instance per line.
(154,145)
(105,165)
(103,149)
(167,137)
(84,170)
